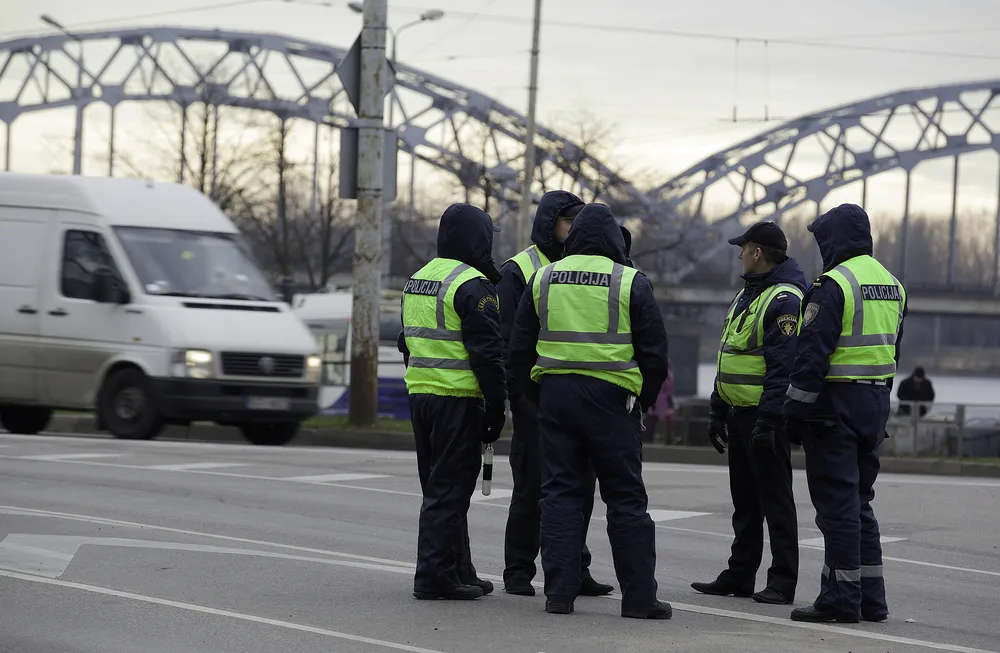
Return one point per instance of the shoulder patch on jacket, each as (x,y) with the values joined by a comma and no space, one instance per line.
(489,299)
(787,324)
(812,310)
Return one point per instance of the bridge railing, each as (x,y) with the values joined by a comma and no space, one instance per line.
(915,429)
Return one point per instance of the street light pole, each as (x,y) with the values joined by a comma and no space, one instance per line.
(429,15)
(524,215)
(78,135)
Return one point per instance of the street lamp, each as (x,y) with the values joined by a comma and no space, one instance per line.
(429,15)
(78,136)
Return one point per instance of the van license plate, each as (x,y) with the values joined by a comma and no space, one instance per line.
(267,403)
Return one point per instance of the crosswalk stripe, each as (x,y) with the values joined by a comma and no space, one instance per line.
(818,541)
(183,467)
(70,456)
(333,478)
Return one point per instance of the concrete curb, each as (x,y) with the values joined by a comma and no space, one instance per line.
(403,441)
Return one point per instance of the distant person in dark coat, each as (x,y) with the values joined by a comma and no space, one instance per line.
(916,387)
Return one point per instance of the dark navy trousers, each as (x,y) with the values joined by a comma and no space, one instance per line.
(841,446)
(447,432)
(521,537)
(585,425)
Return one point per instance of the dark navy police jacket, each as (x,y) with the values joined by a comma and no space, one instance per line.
(841,234)
(779,347)
(466,234)
(596,232)
(512,282)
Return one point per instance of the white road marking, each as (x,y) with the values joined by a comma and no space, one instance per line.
(839,630)
(102,439)
(187,467)
(68,457)
(50,555)
(230,475)
(670,515)
(332,478)
(497,493)
(819,542)
(216,612)
(409,566)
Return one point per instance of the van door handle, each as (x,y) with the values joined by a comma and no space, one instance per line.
(58,312)
(27,310)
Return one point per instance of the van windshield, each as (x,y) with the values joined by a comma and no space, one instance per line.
(194,264)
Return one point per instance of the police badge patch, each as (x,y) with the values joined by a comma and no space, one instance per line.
(787,324)
(812,310)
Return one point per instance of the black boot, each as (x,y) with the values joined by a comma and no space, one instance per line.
(553,607)
(812,615)
(659,610)
(519,586)
(460,593)
(772,596)
(717,588)
(590,587)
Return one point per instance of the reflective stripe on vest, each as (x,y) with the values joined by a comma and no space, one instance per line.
(529,261)
(741,365)
(439,362)
(582,304)
(873,314)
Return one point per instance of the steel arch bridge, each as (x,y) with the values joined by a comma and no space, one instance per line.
(771,174)
(481,142)
(293,79)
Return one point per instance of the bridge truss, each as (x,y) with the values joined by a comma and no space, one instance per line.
(480,142)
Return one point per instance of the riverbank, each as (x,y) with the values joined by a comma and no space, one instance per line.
(396,435)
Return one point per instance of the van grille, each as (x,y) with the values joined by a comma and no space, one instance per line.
(266,365)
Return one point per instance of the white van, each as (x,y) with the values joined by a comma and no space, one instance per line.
(140,301)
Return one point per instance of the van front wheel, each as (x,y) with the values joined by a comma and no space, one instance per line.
(270,434)
(128,406)
(25,420)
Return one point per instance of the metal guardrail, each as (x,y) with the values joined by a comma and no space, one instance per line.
(946,430)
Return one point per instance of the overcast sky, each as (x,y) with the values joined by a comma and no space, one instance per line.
(670,96)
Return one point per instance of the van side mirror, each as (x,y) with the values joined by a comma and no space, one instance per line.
(108,288)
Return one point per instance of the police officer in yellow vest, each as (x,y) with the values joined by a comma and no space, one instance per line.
(589,343)
(754,360)
(553,218)
(838,401)
(455,378)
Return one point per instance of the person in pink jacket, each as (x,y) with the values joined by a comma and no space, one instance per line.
(663,410)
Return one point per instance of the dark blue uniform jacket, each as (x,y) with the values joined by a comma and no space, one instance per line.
(779,342)
(466,234)
(595,232)
(512,282)
(841,234)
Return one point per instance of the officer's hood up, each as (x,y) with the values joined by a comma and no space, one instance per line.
(595,232)
(841,234)
(466,234)
(552,204)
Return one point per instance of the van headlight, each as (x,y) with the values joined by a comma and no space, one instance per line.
(313,366)
(194,364)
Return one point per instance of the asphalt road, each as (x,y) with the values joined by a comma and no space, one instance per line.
(167,547)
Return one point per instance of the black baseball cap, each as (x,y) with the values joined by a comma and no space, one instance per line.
(765,234)
(571,211)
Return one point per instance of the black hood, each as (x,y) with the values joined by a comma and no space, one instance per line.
(788,271)
(627,237)
(841,234)
(466,234)
(552,204)
(595,232)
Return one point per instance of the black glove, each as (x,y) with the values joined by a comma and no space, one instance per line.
(496,417)
(762,439)
(794,427)
(717,433)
